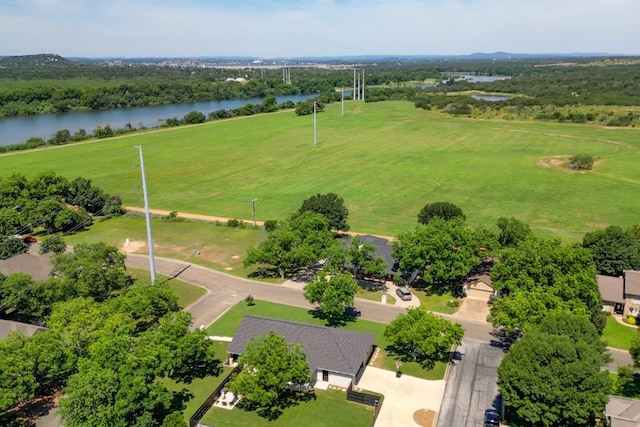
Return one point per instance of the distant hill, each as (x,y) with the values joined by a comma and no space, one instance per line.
(39,59)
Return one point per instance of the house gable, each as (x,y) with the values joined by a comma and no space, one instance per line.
(611,289)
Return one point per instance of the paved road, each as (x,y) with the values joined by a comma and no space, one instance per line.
(472,385)
(224,290)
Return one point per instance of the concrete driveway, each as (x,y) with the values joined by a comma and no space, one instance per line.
(402,396)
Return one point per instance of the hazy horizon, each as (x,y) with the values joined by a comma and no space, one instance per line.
(316,28)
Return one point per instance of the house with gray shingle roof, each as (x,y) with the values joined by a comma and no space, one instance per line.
(620,293)
(623,412)
(8,326)
(335,356)
(383,250)
(37,266)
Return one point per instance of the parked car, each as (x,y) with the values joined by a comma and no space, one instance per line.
(352,312)
(404,294)
(491,418)
(29,239)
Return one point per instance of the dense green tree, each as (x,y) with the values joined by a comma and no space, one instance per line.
(421,336)
(553,376)
(442,210)
(332,295)
(581,161)
(82,193)
(10,246)
(96,269)
(193,117)
(613,249)
(512,231)
(634,349)
(540,276)
(294,244)
(53,243)
(269,364)
(331,206)
(17,381)
(443,251)
(363,260)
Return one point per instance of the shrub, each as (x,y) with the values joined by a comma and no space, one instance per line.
(453,303)
(581,162)
(53,243)
(630,320)
(270,225)
(235,223)
(249,300)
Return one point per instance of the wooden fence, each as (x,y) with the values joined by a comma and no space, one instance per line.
(194,421)
(366,399)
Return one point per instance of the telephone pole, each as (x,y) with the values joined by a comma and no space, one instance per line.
(152,261)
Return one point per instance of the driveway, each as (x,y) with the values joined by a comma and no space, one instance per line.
(402,396)
(472,385)
(474,308)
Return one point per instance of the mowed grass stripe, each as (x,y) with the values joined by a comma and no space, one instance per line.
(385,159)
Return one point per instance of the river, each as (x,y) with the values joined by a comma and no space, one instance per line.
(16,130)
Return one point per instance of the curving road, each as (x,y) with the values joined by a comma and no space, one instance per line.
(224,290)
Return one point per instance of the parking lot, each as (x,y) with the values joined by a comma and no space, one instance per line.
(472,385)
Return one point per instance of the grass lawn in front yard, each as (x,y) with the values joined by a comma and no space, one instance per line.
(372,295)
(433,301)
(327,409)
(186,292)
(617,335)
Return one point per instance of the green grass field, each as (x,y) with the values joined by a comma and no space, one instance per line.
(617,335)
(385,159)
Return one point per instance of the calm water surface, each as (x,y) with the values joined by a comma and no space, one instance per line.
(16,130)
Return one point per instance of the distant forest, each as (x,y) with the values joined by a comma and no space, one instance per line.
(576,90)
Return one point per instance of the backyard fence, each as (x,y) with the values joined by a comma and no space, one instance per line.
(366,399)
(194,421)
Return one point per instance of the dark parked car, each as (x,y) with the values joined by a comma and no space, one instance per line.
(404,294)
(29,239)
(352,312)
(491,418)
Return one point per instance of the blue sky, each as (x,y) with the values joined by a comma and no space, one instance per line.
(288,28)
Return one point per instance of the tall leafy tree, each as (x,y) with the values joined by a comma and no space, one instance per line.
(293,244)
(362,257)
(613,249)
(421,336)
(332,295)
(512,231)
(96,269)
(442,210)
(269,364)
(443,251)
(540,276)
(331,206)
(553,376)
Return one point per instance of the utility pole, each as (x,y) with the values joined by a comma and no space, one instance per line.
(152,261)
(342,100)
(315,125)
(253,202)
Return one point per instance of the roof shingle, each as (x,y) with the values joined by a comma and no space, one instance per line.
(331,349)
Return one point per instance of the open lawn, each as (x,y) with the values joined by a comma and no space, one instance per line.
(385,159)
(186,292)
(229,322)
(327,409)
(205,243)
(617,335)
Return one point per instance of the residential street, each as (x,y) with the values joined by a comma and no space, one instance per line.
(471,386)
(224,290)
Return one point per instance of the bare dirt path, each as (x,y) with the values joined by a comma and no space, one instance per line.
(223,219)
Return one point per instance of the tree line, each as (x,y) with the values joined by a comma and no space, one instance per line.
(49,203)
(110,343)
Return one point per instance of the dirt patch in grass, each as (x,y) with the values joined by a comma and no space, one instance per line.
(424,417)
(561,164)
(132,246)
